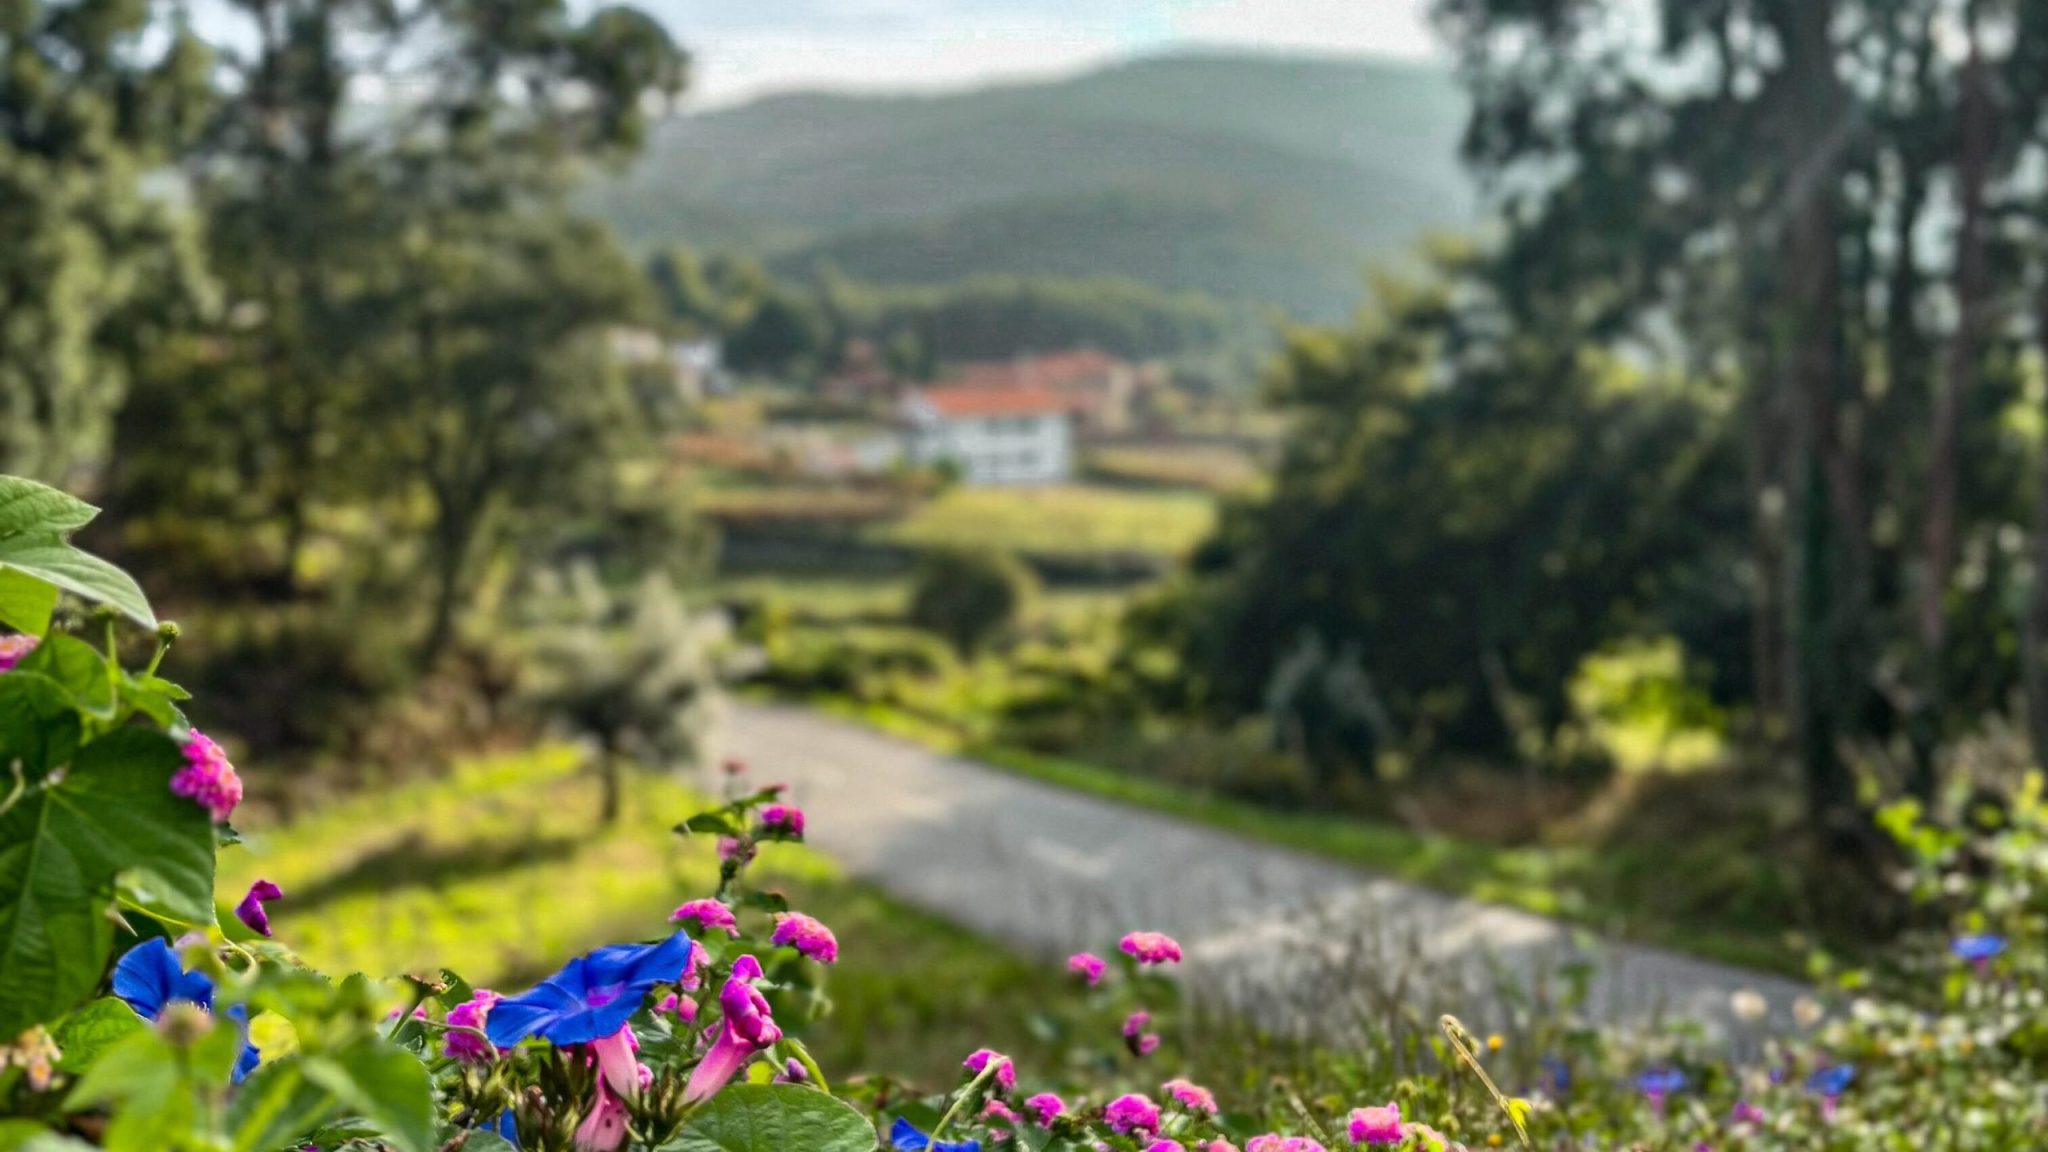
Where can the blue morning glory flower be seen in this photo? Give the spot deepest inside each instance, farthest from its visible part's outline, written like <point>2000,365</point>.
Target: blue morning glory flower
<point>905,1137</point>
<point>1831,1081</point>
<point>150,978</point>
<point>1661,1082</point>
<point>506,1127</point>
<point>1978,949</point>
<point>592,997</point>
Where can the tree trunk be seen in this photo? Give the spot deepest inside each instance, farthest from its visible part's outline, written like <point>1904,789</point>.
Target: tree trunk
<point>1767,486</point>
<point>1826,576</point>
<point>2034,639</point>
<point>1944,455</point>
<point>451,540</point>
<point>610,788</point>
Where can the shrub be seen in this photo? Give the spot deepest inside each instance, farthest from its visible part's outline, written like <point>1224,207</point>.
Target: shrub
<point>638,679</point>
<point>969,596</point>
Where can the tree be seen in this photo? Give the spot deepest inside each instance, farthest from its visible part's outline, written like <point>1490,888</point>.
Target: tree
<point>1466,509</point>
<point>638,679</point>
<point>1629,172</point>
<point>411,311</point>
<point>968,596</point>
<point>90,267</point>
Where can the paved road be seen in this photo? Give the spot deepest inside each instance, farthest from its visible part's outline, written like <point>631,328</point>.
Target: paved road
<point>1292,936</point>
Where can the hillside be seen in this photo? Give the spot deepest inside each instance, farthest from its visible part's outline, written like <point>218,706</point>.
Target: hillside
<point>1262,180</point>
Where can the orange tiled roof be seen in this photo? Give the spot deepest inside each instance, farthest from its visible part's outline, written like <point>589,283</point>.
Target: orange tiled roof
<point>973,401</point>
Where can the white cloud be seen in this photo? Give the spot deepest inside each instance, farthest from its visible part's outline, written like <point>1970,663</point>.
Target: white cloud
<point>1376,27</point>
<point>735,69</point>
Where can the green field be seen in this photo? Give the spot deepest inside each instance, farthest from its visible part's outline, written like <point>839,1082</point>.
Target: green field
<point>1059,521</point>
<point>499,872</point>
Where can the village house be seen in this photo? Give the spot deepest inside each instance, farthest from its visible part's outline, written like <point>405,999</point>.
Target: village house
<point>993,435</point>
<point>1098,387</point>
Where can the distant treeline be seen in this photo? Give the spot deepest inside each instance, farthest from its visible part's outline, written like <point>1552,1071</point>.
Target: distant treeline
<point>801,326</point>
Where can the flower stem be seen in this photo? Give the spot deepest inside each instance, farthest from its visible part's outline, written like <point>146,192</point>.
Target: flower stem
<point>972,1090</point>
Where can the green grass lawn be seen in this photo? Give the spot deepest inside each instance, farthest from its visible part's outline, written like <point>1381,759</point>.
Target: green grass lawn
<point>499,872</point>
<point>1621,894</point>
<point>1059,521</point>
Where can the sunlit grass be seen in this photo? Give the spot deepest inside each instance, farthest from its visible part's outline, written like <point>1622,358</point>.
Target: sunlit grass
<point>1066,520</point>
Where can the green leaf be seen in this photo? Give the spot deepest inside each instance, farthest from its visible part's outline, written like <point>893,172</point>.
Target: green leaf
<point>29,1136</point>
<point>51,559</point>
<point>717,823</point>
<point>61,849</point>
<point>140,1078</point>
<point>384,1084</point>
<point>277,1106</point>
<point>139,696</point>
<point>38,726</point>
<point>480,1141</point>
<point>26,602</point>
<point>773,1118</point>
<point>29,508</point>
<point>87,1033</point>
<point>77,668</point>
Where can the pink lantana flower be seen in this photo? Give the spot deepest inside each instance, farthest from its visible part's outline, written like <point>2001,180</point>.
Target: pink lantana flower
<point>708,915</point>
<point>471,1013</point>
<point>1165,1146</point>
<point>997,1110</point>
<point>1271,1142</point>
<point>1049,1108</point>
<point>1377,1125</point>
<point>1139,1041</point>
<point>1131,1114</point>
<point>1088,966</point>
<point>1217,1146</point>
<point>1151,947</point>
<point>1190,1096</point>
<point>251,911</point>
<point>1426,1139</point>
<point>808,936</point>
<point>748,1028</point>
<point>207,779</point>
<point>681,1007</point>
<point>1006,1072</point>
<point>783,821</point>
<point>14,649</point>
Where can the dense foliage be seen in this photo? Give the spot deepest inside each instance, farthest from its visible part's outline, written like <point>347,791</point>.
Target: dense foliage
<point>1470,510</point>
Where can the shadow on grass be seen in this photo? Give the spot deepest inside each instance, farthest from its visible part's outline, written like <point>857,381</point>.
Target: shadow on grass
<point>412,863</point>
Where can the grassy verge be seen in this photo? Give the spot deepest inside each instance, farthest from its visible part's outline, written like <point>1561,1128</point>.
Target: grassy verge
<point>500,872</point>
<point>1621,895</point>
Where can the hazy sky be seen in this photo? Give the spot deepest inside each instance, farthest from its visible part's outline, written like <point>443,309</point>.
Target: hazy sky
<point>745,47</point>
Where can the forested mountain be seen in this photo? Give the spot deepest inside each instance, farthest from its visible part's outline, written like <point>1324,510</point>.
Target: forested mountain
<point>1264,180</point>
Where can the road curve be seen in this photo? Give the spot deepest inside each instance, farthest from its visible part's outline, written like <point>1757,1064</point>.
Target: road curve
<point>1050,871</point>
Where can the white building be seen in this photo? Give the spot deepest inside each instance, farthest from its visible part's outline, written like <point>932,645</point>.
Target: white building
<point>993,435</point>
